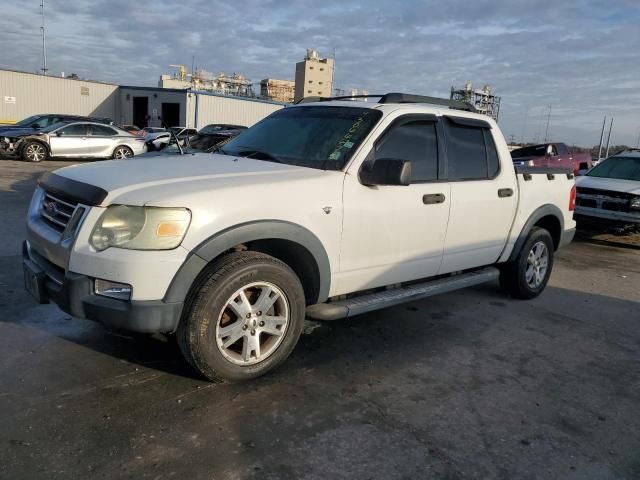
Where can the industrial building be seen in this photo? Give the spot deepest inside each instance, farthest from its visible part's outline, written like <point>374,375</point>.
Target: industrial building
<point>202,80</point>
<point>24,94</point>
<point>314,76</point>
<point>278,90</point>
<point>482,99</point>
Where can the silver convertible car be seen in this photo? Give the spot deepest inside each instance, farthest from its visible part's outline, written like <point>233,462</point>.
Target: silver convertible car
<point>71,140</point>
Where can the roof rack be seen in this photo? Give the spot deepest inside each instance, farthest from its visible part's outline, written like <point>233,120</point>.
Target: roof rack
<point>395,97</point>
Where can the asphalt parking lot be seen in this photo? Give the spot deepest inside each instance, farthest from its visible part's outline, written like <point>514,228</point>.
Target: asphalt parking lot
<point>470,384</point>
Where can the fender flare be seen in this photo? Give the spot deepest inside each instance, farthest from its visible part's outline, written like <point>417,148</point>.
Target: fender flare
<point>540,212</point>
<point>226,239</point>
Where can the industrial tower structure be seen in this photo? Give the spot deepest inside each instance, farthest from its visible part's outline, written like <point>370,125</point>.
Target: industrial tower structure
<point>482,99</point>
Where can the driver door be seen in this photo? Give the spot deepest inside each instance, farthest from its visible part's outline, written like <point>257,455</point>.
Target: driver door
<point>69,141</point>
<point>394,233</point>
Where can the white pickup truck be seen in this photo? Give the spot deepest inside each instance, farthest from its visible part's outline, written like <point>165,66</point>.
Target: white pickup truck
<point>326,209</point>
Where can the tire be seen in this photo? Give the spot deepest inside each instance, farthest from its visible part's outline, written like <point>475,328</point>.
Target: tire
<point>527,276</point>
<point>34,152</point>
<point>206,333</point>
<point>121,152</point>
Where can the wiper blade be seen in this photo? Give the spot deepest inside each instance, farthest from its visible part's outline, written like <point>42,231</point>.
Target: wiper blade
<point>259,154</point>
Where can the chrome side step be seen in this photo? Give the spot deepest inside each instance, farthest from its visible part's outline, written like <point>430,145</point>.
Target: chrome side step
<point>388,298</point>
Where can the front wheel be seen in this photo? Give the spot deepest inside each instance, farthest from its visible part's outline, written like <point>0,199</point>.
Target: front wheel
<point>243,318</point>
<point>527,276</point>
<point>122,152</point>
<point>34,152</point>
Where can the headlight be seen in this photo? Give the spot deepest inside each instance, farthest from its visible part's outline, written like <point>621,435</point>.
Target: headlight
<point>635,203</point>
<point>140,228</point>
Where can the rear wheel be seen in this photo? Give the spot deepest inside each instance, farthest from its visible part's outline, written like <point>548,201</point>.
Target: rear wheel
<point>527,276</point>
<point>243,318</point>
<point>34,152</point>
<point>122,152</point>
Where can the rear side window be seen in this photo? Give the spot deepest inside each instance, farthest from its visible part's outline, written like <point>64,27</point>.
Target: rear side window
<point>100,131</point>
<point>562,149</point>
<point>414,141</point>
<point>471,152</point>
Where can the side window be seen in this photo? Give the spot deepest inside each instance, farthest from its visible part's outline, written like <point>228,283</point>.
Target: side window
<point>102,131</point>
<point>471,152</point>
<point>562,149</point>
<point>75,130</point>
<point>41,122</point>
<point>414,141</point>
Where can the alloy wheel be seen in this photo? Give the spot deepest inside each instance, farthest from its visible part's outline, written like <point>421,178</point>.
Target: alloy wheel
<point>537,265</point>
<point>35,152</point>
<point>253,323</point>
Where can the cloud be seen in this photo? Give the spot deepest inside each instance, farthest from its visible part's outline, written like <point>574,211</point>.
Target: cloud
<point>579,57</point>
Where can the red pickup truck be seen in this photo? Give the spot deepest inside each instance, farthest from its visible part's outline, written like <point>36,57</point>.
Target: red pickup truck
<point>551,155</point>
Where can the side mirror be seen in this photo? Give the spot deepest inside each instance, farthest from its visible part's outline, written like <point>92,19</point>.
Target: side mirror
<point>386,171</point>
<point>59,133</point>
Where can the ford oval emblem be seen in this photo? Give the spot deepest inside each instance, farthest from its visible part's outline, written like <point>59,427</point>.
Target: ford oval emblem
<point>51,208</point>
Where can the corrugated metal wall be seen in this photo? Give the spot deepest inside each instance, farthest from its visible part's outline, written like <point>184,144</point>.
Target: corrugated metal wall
<point>25,94</point>
<point>218,109</point>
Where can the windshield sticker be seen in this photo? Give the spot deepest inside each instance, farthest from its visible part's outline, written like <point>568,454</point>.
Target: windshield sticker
<point>346,142</point>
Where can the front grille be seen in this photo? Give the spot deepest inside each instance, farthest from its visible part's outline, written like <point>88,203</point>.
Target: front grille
<point>603,199</point>
<point>56,211</point>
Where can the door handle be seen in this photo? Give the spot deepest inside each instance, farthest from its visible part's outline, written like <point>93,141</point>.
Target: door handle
<point>433,198</point>
<point>505,192</point>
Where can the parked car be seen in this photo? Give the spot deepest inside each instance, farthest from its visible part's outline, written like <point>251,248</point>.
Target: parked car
<point>38,122</point>
<point>608,196</point>
<point>328,209</point>
<point>147,130</point>
<point>198,143</point>
<point>78,139</point>
<point>551,155</point>
<point>217,127</point>
<point>132,129</point>
<point>159,140</point>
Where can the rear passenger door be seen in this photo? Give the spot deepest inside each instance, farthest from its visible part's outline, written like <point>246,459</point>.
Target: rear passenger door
<point>102,141</point>
<point>483,198</point>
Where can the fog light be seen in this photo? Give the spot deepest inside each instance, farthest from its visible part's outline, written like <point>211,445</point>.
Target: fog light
<point>107,288</point>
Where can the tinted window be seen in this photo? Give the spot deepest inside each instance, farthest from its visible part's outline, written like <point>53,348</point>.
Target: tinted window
<point>623,168</point>
<point>416,142</point>
<point>533,151</point>
<point>77,129</point>
<point>562,149</point>
<point>99,130</point>
<point>468,156</point>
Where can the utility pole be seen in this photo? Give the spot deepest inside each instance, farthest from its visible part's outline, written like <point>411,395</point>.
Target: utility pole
<point>44,42</point>
<point>604,122</point>
<point>546,132</point>
<point>638,142</point>
<point>606,155</point>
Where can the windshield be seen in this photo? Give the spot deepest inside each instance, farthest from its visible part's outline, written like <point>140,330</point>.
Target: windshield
<point>533,151</point>
<point>622,168</point>
<point>28,121</point>
<point>313,136</point>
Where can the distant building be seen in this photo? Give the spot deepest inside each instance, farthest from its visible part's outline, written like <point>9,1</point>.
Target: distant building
<point>202,80</point>
<point>314,76</point>
<point>277,90</point>
<point>483,99</point>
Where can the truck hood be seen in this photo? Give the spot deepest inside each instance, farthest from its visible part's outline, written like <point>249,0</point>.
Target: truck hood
<point>144,180</point>
<point>613,184</point>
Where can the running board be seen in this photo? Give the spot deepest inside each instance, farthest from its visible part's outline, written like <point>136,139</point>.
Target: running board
<point>388,298</point>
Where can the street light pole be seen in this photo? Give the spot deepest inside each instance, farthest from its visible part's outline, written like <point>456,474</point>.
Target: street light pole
<point>44,42</point>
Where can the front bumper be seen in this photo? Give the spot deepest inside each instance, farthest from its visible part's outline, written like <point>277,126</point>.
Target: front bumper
<point>74,294</point>
<point>608,215</point>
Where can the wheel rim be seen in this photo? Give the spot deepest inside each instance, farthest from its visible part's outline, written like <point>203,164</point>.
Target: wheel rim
<point>252,323</point>
<point>122,153</point>
<point>537,264</point>
<point>35,152</point>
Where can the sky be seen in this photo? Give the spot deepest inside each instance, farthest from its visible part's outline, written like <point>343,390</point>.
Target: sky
<point>582,57</point>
